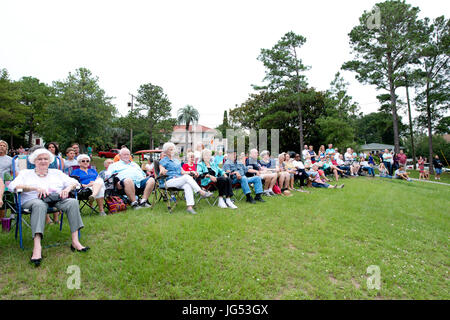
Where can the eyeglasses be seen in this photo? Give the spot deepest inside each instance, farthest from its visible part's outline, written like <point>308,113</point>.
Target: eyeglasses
<point>84,161</point>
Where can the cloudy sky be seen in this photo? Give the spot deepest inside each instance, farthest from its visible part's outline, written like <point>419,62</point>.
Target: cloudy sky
<point>202,53</point>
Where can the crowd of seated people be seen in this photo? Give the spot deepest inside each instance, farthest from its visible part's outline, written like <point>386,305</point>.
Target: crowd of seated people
<point>200,174</point>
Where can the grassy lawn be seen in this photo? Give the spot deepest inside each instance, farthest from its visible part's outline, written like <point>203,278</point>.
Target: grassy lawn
<point>308,246</point>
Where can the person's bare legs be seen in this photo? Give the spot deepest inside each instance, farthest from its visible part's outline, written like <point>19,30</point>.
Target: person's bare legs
<point>37,248</point>
<point>75,242</point>
<point>148,189</point>
<point>130,191</point>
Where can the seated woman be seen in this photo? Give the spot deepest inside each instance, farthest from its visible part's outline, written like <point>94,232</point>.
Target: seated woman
<point>216,175</point>
<point>148,167</point>
<point>384,172</point>
<point>284,176</point>
<point>290,169</point>
<point>38,183</point>
<point>89,179</point>
<point>53,148</point>
<point>178,178</point>
<point>106,164</point>
<point>333,168</point>
<point>317,181</point>
<point>268,170</point>
<point>191,165</point>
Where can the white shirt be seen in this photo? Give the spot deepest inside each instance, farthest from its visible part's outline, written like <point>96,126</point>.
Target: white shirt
<point>54,181</point>
<point>337,156</point>
<point>348,157</point>
<point>340,162</point>
<point>305,153</point>
<point>298,164</point>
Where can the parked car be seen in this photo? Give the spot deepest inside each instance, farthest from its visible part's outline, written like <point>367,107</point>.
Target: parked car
<point>108,154</point>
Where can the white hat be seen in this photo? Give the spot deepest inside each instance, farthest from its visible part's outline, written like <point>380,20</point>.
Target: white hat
<point>38,152</point>
<point>83,156</point>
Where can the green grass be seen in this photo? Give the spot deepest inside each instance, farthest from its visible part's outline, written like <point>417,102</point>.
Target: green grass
<point>308,246</point>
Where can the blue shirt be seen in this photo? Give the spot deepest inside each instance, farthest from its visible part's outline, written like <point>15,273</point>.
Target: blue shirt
<point>173,167</point>
<point>329,151</point>
<point>218,159</point>
<point>126,170</point>
<point>85,178</point>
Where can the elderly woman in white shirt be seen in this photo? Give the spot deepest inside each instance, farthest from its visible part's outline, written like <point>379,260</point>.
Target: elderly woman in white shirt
<point>40,182</point>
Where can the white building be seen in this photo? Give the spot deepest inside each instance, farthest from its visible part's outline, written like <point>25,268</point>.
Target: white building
<point>211,138</point>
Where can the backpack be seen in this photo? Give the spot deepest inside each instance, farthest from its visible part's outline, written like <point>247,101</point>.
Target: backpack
<point>115,204</point>
<point>276,189</point>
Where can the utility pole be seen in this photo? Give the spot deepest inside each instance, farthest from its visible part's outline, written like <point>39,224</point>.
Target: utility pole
<point>131,129</point>
<point>410,123</point>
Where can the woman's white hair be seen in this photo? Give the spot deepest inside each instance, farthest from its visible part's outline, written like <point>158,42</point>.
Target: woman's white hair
<point>264,152</point>
<point>38,152</point>
<point>83,156</point>
<point>205,151</point>
<point>167,145</point>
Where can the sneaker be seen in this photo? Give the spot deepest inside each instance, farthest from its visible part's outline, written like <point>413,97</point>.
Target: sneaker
<point>341,186</point>
<point>102,214</point>
<point>271,192</point>
<point>259,198</point>
<point>144,204</point>
<point>222,204</point>
<point>250,199</point>
<point>208,194</point>
<point>267,193</point>
<point>135,205</point>
<point>230,203</point>
<point>191,211</point>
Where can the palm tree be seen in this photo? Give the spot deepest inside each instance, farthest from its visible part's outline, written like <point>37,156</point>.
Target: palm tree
<point>187,115</point>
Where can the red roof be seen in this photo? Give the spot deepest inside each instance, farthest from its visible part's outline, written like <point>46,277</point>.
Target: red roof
<point>198,128</point>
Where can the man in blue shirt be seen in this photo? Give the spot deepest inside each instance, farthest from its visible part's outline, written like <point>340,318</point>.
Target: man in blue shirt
<point>131,177</point>
<point>237,171</point>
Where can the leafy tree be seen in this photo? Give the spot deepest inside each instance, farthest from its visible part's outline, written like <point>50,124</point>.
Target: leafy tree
<point>12,114</point>
<point>382,52</point>
<point>284,70</point>
<point>225,124</point>
<point>36,96</point>
<point>187,116</point>
<point>433,94</point>
<point>156,107</point>
<point>248,114</point>
<point>376,127</point>
<point>443,126</point>
<point>339,103</point>
<point>337,131</point>
<point>82,112</point>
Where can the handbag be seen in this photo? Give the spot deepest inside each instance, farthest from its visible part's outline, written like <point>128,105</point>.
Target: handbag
<point>115,204</point>
<point>52,199</point>
<point>276,189</point>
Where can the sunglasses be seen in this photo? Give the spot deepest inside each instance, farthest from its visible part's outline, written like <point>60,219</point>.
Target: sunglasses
<point>85,161</point>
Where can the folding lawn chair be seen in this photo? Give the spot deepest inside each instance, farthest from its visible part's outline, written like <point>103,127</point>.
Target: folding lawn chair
<point>83,193</point>
<point>168,195</point>
<point>20,212</point>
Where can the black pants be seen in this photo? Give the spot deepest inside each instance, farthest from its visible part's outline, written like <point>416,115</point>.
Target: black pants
<point>225,187</point>
<point>302,176</point>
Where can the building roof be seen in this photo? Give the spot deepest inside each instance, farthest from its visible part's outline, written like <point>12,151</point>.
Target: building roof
<point>378,146</point>
<point>197,128</point>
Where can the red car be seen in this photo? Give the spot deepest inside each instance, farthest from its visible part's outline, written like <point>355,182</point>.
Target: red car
<point>108,154</point>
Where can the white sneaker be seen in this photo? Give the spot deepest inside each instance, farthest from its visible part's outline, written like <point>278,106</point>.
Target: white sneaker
<point>271,192</point>
<point>230,203</point>
<point>222,203</point>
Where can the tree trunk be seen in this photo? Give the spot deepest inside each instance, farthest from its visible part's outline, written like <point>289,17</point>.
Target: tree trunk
<point>393,105</point>
<point>430,135</point>
<point>410,125</point>
<point>151,136</point>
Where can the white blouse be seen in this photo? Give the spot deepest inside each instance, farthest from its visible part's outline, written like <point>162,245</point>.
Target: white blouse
<point>54,181</point>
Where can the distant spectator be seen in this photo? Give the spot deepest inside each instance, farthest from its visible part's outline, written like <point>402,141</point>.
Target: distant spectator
<point>89,151</point>
<point>383,171</point>
<point>437,164</point>
<point>313,154</point>
<point>401,173</point>
<point>70,160</point>
<point>117,157</point>
<point>76,148</point>
<point>305,152</point>
<point>106,164</point>
<point>423,174</point>
<point>317,181</point>
<point>401,158</point>
<point>388,161</point>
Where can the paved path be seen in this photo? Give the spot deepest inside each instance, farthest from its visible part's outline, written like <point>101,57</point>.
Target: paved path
<point>430,181</point>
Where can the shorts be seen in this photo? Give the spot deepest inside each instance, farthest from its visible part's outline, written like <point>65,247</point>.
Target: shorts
<point>438,171</point>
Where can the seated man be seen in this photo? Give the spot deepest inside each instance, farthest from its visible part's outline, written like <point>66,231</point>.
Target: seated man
<point>300,174</point>
<point>401,173</point>
<point>237,171</point>
<point>131,177</point>
<point>70,160</point>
